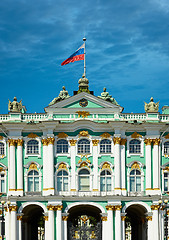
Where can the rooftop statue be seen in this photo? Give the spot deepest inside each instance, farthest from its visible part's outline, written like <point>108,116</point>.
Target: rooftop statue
<point>83,84</point>
<point>62,95</point>
<point>105,96</point>
<point>151,106</point>
<point>15,106</point>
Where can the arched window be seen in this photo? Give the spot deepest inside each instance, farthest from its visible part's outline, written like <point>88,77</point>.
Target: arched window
<point>83,146</point>
<point>2,182</point>
<point>135,181</point>
<point>166,148</point>
<point>33,147</point>
<point>84,180</point>
<point>166,181</point>
<point>135,146</point>
<point>33,181</point>
<point>105,146</point>
<point>62,181</point>
<point>62,146</point>
<point>2,148</point>
<point>105,181</point>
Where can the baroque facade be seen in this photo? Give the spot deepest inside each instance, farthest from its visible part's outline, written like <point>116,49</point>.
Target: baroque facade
<point>84,170</point>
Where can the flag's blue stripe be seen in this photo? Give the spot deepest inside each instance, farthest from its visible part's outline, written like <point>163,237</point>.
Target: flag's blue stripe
<point>78,52</point>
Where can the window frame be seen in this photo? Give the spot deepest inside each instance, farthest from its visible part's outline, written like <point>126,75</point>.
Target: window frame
<point>84,153</point>
<point>62,176</point>
<point>106,176</point>
<point>32,154</point>
<point>141,139</point>
<point>33,176</point>
<point>3,141</point>
<point>62,153</point>
<point>164,140</point>
<point>102,153</point>
<point>84,175</point>
<point>135,176</point>
<point>4,178</point>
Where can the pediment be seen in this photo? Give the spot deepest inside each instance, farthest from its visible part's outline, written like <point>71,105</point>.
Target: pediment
<point>75,103</point>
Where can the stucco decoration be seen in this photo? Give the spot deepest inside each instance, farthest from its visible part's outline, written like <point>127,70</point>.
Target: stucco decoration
<point>136,135</point>
<point>151,106</point>
<point>106,96</point>
<point>62,95</point>
<point>15,106</point>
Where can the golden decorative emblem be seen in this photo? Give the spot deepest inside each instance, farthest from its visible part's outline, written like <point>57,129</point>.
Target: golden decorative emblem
<point>106,165</point>
<point>32,135</point>
<point>104,218</point>
<point>58,207</point>
<point>12,142</point>
<point>20,142</point>
<point>156,141</point>
<point>135,166</point>
<point>167,136</point>
<point>62,135</point>
<point>83,114</point>
<point>123,141</point>
<point>1,137</point>
<point>62,166</point>
<point>72,142</point>
<point>45,142</point>
<point>148,141</point>
<point>83,133</point>
<point>1,169</point>
<point>123,218</point>
<point>166,168</point>
<point>2,156</point>
<point>136,135</point>
<point>83,164</point>
<point>109,207</point>
<point>13,208</point>
<point>149,218</point>
<point>117,140</point>
<point>84,219</point>
<point>50,207</point>
<point>64,218</point>
<point>95,142</point>
<point>105,135</point>
<point>51,141</point>
<point>33,166</point>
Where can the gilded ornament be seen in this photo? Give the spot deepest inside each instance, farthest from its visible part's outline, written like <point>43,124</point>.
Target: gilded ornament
<point>148,141</point>
<point>106,165</point>
<point>65,218</point>
<point>62,135</point>
<point>83,114</point>
<point>135,166</point>
<point>46,218</point>
<point>62,166</point>
<point>83,133</point>
<point>104,218</point>
<point>95,190</point>
<point>32,135</point>
<point>45,142</point>
<point>1,137</point>
<point>13,208</point>
<point>84,219</point>
<point>156,141</point>
<point>58,207</point>
<point>105,135</point>
<point>20,142</point>
<point>95,142</point>
<point>51,141</point>
<point>12,142</point>
<point>93,235</point>
<point>123,218</point>
<point>116,140</point>
<point>2,156</point>
<point>76,236</point>
<point>50,207</point>
<point>136,135</point>
<point>1,169</point>
<point>117,207</point>
<point>149,218</point>
<point>166,169</point>
<point>167,136</point>
<point>33,166</point>
<point>167,212</point>
<point>155,207</point>
<point>109,207</point>
<point>19,218</point>
<point>123,141</point>
<point>72,142</point>
<point>83,164</point>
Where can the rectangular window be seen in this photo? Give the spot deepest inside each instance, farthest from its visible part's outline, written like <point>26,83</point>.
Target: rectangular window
<point>132,184</point>
<point>30,184</point>
<point>84,183</point>
<point>138,184</point>
<point>108,184</point>
<point>36,184</point>
<point>65,184</point>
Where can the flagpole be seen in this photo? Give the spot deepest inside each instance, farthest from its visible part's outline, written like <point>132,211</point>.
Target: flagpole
<point>84,39</point>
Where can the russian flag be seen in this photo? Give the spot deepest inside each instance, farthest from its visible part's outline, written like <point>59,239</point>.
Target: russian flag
<point>77,56</point>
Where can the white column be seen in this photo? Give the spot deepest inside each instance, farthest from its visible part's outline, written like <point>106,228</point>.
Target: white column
<point>51,222</point>
<point>64,219</point>
<point>118,222</point>
<point>46,218</point>
<point>73,164</point>
<point>50,166</point>
<point>19,230</point>
<point>12,169</point>
<point>19,167</point>
<point>95,164</point>
<point>45,166</point>
<point>155,223</point>
<point>109,233</point>
<point>150,229</point>
<point>7,225</point>
<point>123,167</point>
<point>105,229</point>
<point>148,142</point>
<point>13,222</point>
<point>156,176</point>
<point>123,230</point>
<point>117,165</point>
<point>59,222</point>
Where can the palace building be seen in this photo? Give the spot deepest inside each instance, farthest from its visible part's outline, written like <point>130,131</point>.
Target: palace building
<point>84,170</point>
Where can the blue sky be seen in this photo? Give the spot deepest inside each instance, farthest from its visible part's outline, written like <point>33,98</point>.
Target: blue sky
<point>127,50</point>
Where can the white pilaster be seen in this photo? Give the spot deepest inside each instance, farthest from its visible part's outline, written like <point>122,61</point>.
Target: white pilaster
<point>64,221</point>
<point>19,227</point>
<point>156,165</point>
<point>117,164</point>
<point>50,166</point>
<point>45,167</point>
<point>12,169</point>
<point>13,223</point>
<point>19,167</point>
<point>123,167</point>
<point>59,222</point>
<point>155,222</point>
<point>150,228</point>
<point>148,142</point>
<point>7,225</point>
<point>105,227</point>
<point>50,224</point>
<point>118,232</point>
<point>46,218</point>
<point>73,164</point>
<point>95,164</point>
<point>109,234</point>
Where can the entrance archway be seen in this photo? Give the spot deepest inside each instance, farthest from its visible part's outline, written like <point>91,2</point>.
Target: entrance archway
<point>33,223</point>
<point>136,223</point>
<point>84,223</point>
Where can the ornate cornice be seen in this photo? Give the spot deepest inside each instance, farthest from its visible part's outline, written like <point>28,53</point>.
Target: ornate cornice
<point>117,140</point>
<point>51,141</point>
<point>32,135</point>
<point>95,142</point>
<point>105,135</point>
<point>45,142</point>
<point>72,142</point>
<point>20,142</point>
<point>148,141</point>
<point>136,135</point>
<point>62,135</point>
<point>83,114</point>
<point>156,141</point>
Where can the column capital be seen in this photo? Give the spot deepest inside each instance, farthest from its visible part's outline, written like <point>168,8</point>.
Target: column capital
<point>50,207</point>
<point>58,207</point>
<point>148,141</point>
<point>117,140</point>
<point>155,207</point>
<point>12,142</point>
<point>45,142</point>
<point>95,142</point>
<point>149,218</point>
<point>19,218</point>
<point>45,218</point>
<point>123,141</point>
<point>51,141</point>
<point>109,207</point>
<point>156,141</point>
<point>20,142</point>
<point>117,207</point>
<point>104,218</point>
<point>13,208</point>
<point>72,142</point>
<point>65,218</point>
<point>123,218</point>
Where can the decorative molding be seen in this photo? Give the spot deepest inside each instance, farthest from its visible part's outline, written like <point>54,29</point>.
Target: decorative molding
<point>50,207</point>
<point>109,207</point>
<point>20,142</point>
<point>2,169</point>
<point>33,166</point>
<point>149,218</point>
<point>135,166</point>
<point>72,142</point>
<point>19,218</point>
<point>83,114</point>
<point>148,141</point>
<point>83,164</point>
<point>116,140</point>
<point>13,208</point>
<point>106,165</point>
<point>136,135</point>
<point>45,142</point>
<point>84,219</point>
<point>95,142</point>
<point>32,135</point>
<point>166,169</point>
<point>58,207</point>
<point>156,141</point>
<point>1,137</point>
<point>62,135</point>
<point>105,135</point>
<point>51,141</point>
<point>84,133</point>
<point>62,166</point>
<point>104,218</point>
<point>123,141</point>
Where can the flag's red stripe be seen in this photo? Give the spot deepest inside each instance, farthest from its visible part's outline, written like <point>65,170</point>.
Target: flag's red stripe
<point>73,59</point>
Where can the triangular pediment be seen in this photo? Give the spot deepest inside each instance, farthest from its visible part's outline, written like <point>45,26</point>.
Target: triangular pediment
<point>84,101</point>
